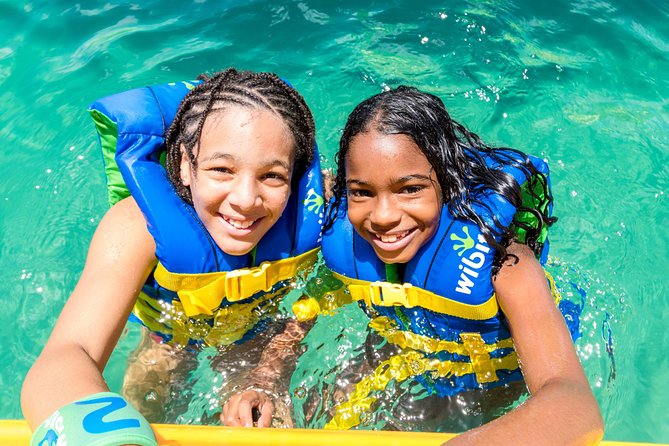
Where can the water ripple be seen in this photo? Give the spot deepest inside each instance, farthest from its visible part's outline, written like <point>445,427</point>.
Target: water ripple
<point>583,83</point>
<point>179,50</point>
<point>312,15</point>
<point>100,42</point>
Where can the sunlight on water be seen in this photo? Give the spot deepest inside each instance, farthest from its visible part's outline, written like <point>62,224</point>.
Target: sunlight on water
<point>341,351</point>
<point>580,83</point>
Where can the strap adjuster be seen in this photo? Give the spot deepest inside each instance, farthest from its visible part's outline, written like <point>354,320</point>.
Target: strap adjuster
<point>203,293</point>
<point>387,294</point>
<point>243,283</point>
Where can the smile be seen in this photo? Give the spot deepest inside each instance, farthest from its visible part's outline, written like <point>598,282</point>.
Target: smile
<point>240,224</point>
<point>392,238</point>
<point>392,242</point>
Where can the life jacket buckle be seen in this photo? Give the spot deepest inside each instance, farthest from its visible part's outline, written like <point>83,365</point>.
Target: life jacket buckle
<point>243,283</point>
<point>391,294</point>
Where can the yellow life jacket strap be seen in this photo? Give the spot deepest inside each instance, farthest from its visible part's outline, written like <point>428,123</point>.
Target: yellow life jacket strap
<point>387,294</point>
<point>203,293</point>
<point>227,325</point>
<point>387,328</point>
<point>557,297</point>
<point>400,368</point>
<point>471,345</point>
<point>145,310</point>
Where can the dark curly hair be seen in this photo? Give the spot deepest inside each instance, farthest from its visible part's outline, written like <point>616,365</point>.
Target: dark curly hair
<point>458,157</point>
<point>248,89</point>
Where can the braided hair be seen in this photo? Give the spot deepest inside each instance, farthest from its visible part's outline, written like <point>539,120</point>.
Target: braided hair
<point>458,157</point>
<point>243,88</point>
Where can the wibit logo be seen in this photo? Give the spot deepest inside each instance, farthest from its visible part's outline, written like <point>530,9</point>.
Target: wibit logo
<point>313,202</point>
<point>473,262</point>
<point>467,242</point>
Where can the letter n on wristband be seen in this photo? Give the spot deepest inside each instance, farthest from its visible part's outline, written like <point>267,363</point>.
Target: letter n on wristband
<point>103,419</point>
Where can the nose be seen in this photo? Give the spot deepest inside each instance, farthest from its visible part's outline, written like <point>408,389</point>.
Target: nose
<point>386,213</point>
<point>245,194</point>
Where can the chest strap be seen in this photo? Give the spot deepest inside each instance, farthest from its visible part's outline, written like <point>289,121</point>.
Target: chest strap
<point>203,293</point>
<point>471,344</point>
<point>385,294</point>
<point>401,367</point>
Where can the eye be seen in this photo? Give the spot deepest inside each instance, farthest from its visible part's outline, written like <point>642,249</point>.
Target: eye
<point>275,177</point>
<point>221,169</point>
<point>358,193</point>
<point>412,189</point>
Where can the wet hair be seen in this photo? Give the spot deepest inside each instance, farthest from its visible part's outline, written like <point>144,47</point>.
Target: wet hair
<point>231,87</point>
<point>458,158</point>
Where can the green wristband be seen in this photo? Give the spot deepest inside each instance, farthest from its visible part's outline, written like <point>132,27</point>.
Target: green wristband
<point>103,419</point>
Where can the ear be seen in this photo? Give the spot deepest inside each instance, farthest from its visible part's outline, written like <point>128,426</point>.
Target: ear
<point>185,168</point>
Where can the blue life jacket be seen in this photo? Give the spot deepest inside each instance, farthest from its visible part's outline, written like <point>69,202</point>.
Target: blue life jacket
<point>446,307</point>
<point>195,281</point>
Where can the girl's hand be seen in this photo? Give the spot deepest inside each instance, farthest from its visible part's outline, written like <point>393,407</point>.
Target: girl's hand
<point>240,409</point>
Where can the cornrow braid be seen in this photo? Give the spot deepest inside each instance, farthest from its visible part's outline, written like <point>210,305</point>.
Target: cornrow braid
<point>242,88</point>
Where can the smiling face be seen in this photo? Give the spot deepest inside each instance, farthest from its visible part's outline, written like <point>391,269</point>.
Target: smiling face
<point>241,184</point>
<point>394,198</point>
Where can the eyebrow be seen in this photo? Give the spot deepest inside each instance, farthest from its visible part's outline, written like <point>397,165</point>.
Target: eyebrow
<point>277,163</point>
<point>403,179</point>
<point>356,182</point>
<point>219,155</point>
<point>228,156</point>
<point>415,176</point>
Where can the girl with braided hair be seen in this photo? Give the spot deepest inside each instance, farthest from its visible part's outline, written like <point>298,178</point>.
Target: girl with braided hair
<point>200,254</point>
<point>440,239</point>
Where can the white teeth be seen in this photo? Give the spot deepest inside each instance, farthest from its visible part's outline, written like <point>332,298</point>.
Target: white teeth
<point>392,238</point>
<point>238,224</point>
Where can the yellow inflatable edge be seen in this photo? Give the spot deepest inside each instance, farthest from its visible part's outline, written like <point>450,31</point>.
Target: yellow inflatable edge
<point>17,433</point>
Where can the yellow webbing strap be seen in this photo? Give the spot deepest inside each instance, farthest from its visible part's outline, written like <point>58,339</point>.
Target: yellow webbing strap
<point>145,310</point>
<point>387,328</point>
<point>472,345</point>
<point>387,294</point>
<point>400,368</point>
<point>557,297</point>
<point>203,293</point>
<point>227,325</point>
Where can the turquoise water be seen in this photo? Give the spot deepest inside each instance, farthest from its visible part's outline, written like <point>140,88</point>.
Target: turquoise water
<point>582,83</point>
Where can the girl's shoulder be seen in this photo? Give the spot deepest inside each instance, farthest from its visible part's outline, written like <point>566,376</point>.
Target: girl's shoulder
<point>123,230</point>
<point>127,214</point>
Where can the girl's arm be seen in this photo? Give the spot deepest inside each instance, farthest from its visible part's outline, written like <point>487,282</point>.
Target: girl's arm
<point>120,258</point>
<point>280,355</point>
<point>561,409</point>
<point>270,377</point>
